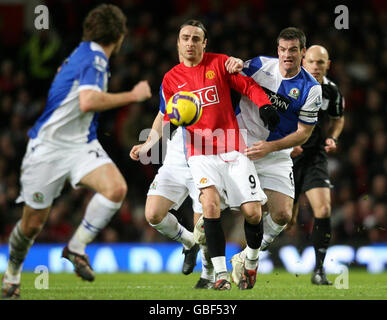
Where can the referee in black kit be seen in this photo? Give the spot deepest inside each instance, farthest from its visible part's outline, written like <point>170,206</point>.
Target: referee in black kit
<point>310,161</point>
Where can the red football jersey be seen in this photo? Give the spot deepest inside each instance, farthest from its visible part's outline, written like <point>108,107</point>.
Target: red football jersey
<point>217,130</point>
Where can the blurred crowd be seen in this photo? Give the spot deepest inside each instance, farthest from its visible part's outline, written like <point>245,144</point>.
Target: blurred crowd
<point>245,29</point>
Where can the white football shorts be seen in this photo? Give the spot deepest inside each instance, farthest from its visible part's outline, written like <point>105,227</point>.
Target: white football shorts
<point>46,168</point>
<point>232,173</point>
<point>275,172</point>
<point>175,183</point>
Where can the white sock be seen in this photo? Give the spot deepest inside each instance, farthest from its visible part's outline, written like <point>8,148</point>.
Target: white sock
<point>271,229</point>
<point>98,214</point>
<point>171,228</point>
<point>251,254</point>
<point>251,257</point>
<point>207,267</point>
<point>219,264</point>
<point>19,246</point>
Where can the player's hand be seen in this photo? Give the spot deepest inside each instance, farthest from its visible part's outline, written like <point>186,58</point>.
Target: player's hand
<point>297,150</point>
<point>258,150</point>
<point>330,145</point>
<point>269,116</point>
<point>142,91</point>
<point>234,65</point>
<point>136,150</point>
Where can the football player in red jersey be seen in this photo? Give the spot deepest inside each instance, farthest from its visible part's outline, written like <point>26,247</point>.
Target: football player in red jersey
<point>214,144</point>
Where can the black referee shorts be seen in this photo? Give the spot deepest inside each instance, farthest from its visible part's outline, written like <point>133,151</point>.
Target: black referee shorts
<point>310,171</point>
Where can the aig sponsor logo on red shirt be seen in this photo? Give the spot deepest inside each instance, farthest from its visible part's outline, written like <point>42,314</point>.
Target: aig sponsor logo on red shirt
<point>207,96</point>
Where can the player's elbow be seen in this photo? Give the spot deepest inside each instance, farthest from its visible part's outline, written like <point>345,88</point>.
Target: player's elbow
<point>85,106</point>
<point>304,139</point>
<point>304,134</point>
<point>87,100</point>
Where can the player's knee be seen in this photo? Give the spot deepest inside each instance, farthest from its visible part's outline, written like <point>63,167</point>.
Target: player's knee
<point>253,214</point>
<point>32,229</point>
<point>211,209</point>
<point>153,219</point>
<point>117,192</point>
<point>210,201</point>
<point>324,211</point>
<point>153,215</point>
<point>282,217</point>
<point>33,221</point>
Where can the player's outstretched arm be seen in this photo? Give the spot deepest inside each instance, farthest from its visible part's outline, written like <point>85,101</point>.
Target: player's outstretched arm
<point>261,148</point>
<point>153,137</point>
<point>92,100</point>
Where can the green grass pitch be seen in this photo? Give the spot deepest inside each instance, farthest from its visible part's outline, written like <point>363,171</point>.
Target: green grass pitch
<point>279,285</point>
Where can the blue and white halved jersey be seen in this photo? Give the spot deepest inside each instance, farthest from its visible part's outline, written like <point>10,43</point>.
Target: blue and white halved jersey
<point>62,122</point>
<point>296,99</point>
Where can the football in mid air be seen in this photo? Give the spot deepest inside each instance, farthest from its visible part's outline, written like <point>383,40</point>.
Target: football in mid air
<point>184,109</point>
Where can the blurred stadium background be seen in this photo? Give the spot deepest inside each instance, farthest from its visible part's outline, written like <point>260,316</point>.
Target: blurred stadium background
<point>29,59</point>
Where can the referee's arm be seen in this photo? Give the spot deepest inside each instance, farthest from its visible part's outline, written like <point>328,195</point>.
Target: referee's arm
<point>336,120</point>
<point>336,127</point>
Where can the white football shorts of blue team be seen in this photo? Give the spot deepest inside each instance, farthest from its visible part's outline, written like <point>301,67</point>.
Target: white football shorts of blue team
<point>46,168</point>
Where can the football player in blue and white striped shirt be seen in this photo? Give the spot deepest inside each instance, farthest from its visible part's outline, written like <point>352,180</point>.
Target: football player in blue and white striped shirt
<point>63,146</point>
<point>297,96</point>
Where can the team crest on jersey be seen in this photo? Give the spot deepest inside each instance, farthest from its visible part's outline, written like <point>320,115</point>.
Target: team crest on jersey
<point>153,185</point>
<point>210,74</point>
<point>38,197</point>
<point>203,180</point>
<point>294,93</point>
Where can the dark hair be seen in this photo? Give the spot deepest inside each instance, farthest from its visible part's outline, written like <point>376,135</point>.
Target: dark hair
<point>104,24</point>
<point>292,33</point>
<point>195,23</point>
